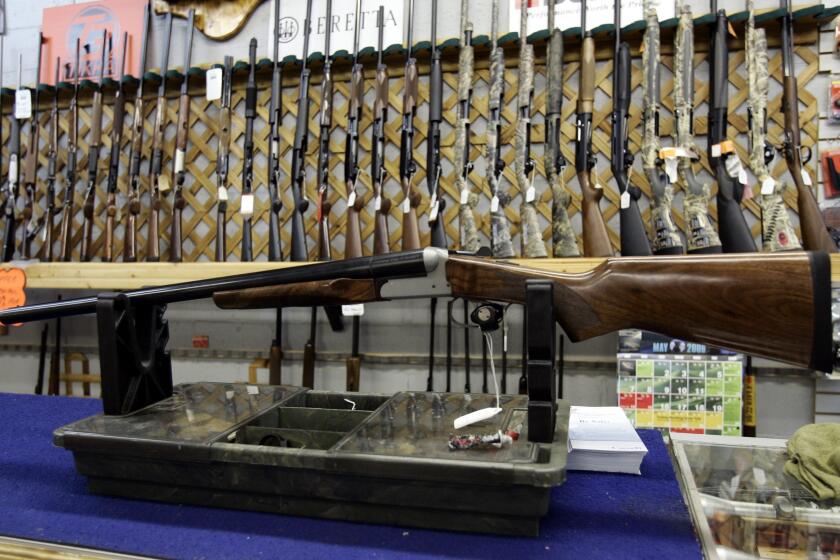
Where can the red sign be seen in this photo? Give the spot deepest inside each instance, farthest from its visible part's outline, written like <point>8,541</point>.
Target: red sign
<point>12,283</point>
<point>88,22</point>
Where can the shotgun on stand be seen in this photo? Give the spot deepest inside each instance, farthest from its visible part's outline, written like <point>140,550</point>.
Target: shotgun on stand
<point>182,136</point>
<point>411,199</point>
<point>469,200</point>
<point>437,203</point>
<point>275,123</point>
<point>67,210</point>
<point>13,185</point>
<point>223,162</point>
<point>299,252</point>
<point>381,204</point>
<point>246,206</point>
<point>114,163</point>
<point>52,168</point>
<point>31,225</point>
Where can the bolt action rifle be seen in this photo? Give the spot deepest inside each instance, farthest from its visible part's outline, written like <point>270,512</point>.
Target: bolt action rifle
<point>777,233</point>
<point>52,167</point>
<point>735,235</point>
<point>815,236</point>
<point>114,163</point>
<point>596,240</point>
<point>411,199</point>
<point>701,236</point>
<point>469,199</point>
<point>137,125</point>
<point>381,204</point>
<point>299,251</point>
<point>13,186</point>
<point>159,181</point>
<point>93,156</point>
<point>634,239</point>
<point>67,211</point>
<point>246,207</point>
<point>182,137</point>
<point>30,167</point>
<point>666,239</point>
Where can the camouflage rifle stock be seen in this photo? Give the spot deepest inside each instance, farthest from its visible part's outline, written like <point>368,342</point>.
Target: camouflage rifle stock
<point>275,122</point>
<point>93,156</point>
<point>666,240</point>
<point>634,238</point>
<point>735,235</point>
<point>52,168</point>
<point>246,205</point>
<point>381,204</point>
<point>532,242</point>
<point>156,163</point>
<point>299,251</point>
<point>564,243</point>
<point>815,236</point>
<point>114,163</point>
<point>137,126</point>
<point>223,162</point>
<point>13,185</point>
<point>701,236</point>
<point>437,203</point>
<point>411,199</point>
<point>777,233</point>
<point>67,211</point>
<point>182,137</point>
<point>469,199</point>
<point>31,225</point>
<point>501,245</point>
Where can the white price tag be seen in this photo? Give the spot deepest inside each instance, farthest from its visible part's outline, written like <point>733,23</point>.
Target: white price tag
<point>179,160</point>
<point>433,209</point>
<point>351,200</point>
<point>275,148</point>
<point>246,206</point>
<point>406,205</point>
<point>671,169</point>
<point>252,389</point>
<point>13,170</point>
<point>353,310</point>
<point>733,167</point>
<point>530,194</point>
<point>221,193</point>
<point>806,177</point>
<point>625,200</point>
<point>768,185</point>
<point>229,394</point>
<point>465,196</point>
<point>742,176</point>
<point>377,203</point>
<point>715,150</point>
<point>164,183</point>
<point>23,104</point>
<point>494,204</point>
<point>214,84</point>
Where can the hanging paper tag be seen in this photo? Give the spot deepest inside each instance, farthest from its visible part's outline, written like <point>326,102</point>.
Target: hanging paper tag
<point>179,160</point>
<point>377,203</point>
<point>351,199</point>
<point>625,200</point>
<point>229,394</point>
<point>353,310</point>
<point>275,148</point>
<point>252,389</point>
<point>742,176</point>
<point>246,206</point>
<point>715,150</point>
<point>530,194</point>
<point>221,193</point>
<point>23,104</point>
<point>733,167</point>
<point>164,183</point>
<point>671,169</point>
<point>465,196</point>
<point>214,84</point>
<point>406,205</point>
<point>433,209</point>
<point>13,170</point>
<point>768,185</point>
<point>806,177</point>
<point>494,204</point>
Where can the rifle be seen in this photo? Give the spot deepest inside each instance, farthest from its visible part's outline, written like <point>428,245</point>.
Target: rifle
<point>299,251</point>
<point>410,225</point>
<point>815,235</point>
<point>275,118</point>
<point>181,139</point>
<point>114,164</point>
<point>532,242</point>
<point>223,162</point>
<point>437,203</point>
<point>30,167</point>
<point>67,211</point>
<point>501,245</point>
<point>469,199</point>
<point>159,182</point>
<point>777,233</point>
<point>133,203</point>
<point>246,207</point>
<point>701,236</point>
<point>353,233</point>
<point>563,239</point>
<point>666,240</point>
<point>596,240</point>
<point>381,205</point>
<point>93,156</point>
<point>787,316</point>
<point>634,239</point>
<point>735,235</point>
<point>52,167</point>
<point>13,186</point>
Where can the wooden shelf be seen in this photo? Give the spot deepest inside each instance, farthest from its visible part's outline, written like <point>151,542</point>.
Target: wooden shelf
<point>120,276</point>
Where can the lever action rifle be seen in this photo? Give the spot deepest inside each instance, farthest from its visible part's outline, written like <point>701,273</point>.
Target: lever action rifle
<point>634,239</point>
<point>181,139</point>
<point>735,235</point>
<point>501,245</point>
<point>137,125</point>
<point>299,251</point>
<point>246,207</point>
<point>410,225</point>
<point>777,233</point>
<point>469,199</point>
<point>666,240</point>
<point>30,167</point>
<point>596,240</point>
<point>67,211</point>
<point>52,167</point>
<point>701,236</point>
<point>353,233</point>
<point>13,185</point>
<point>564,243</point>
<point>787,316</point>
<point>114,163</point>
<point>532,242</point>
<point>815,236</point>
<point>381,204</point>
<point>275,118</point>
<point>437,203</point>
<point>223,162</point>
<point>159,181</point>
<point>93,156</point>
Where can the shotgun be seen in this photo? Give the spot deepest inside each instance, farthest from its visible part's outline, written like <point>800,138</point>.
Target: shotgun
<point>246,206</point>
<point>437,203</point>
<point>114,163</point>
<point>411,199</point>
<point>299,252</point>
<point>31,225</point>
<point>469,199</point>
<point>275,123</point>
<point>67,211</point>
<point>93,156</point>
<point>223,162</point>
<point>182,136</point>
<point>52,168</point>
<point>13,185</point>
<point>381,204</point>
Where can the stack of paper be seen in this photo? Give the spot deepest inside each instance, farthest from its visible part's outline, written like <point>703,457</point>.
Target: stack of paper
<point>601,438</point>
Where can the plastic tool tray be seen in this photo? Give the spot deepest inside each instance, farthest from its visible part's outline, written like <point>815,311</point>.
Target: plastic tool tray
<point>352,456</point>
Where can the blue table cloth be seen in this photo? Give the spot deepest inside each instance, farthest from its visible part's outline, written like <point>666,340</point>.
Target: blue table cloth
<point>42,497</point>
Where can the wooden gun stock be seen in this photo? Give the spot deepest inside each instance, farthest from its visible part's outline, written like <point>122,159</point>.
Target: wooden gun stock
<point>110,218</point>
<point>596,240</point>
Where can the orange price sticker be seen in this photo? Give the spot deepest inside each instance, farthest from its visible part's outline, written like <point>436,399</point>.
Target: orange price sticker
<point>12,283</point>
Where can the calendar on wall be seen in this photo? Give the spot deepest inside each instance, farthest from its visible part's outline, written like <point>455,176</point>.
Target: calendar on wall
<point>680,386</point>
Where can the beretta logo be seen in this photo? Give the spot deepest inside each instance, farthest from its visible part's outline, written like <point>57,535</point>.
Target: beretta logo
<point>88,26</point>
<point>288,29</point>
